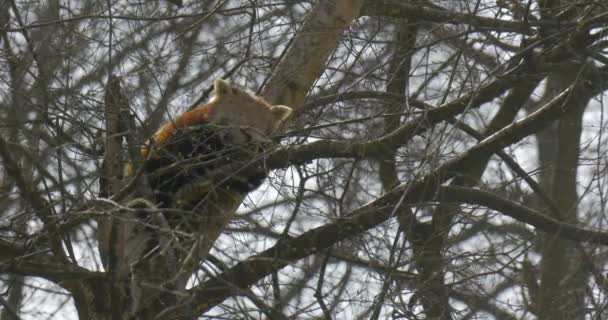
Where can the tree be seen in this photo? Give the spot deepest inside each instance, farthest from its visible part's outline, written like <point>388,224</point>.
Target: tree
<point>445,160</point>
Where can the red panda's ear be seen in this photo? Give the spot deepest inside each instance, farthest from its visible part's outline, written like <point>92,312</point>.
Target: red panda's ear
<point>280,113</point>
<point>221,87</point>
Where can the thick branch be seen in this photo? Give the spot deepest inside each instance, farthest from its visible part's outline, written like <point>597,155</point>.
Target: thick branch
<point>312,45</point>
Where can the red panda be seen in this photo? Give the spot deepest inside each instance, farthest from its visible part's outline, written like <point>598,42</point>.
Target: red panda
<point>185,165</point>
<point>230,106</point>
<point>183,154</point>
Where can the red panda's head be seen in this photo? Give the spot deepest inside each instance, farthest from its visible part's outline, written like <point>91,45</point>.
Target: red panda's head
<point>232,106</point>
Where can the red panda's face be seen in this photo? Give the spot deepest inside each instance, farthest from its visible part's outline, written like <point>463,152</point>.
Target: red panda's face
<point>235,107</point>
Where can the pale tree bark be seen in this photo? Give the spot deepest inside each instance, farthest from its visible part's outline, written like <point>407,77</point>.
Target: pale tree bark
<point>304,60</point>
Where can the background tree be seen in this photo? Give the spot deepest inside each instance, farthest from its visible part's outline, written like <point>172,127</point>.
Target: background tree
<point>446,159</point>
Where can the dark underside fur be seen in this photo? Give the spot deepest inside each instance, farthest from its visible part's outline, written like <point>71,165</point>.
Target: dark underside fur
<point>203,155</point>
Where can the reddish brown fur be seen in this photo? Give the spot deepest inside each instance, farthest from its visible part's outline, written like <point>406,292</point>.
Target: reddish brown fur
<point>197,116</point>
